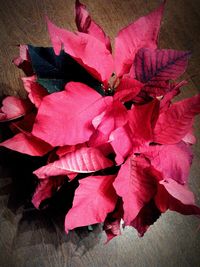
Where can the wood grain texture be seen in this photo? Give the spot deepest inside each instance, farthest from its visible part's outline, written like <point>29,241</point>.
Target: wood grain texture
<point>29,238</point>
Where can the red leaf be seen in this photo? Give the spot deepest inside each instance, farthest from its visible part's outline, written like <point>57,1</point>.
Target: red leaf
<point>146,217</point>
<point>127,89</point>
<point>71,113</point>
<point>189,138</point>
<point>178,191</point>
<point>112,228</point>
<point>63,150</point>
<point>171,195</point>
<point>121,141</point>
<point>156,67</point>
<point>141,33</point>
<point>83,160</point>
<point>82,47</point>
<point>142,120</point>
<point>115,116</point>
<point>100,141</point>
<point>173,124</point>
<point>135,185</point>
<point>24,125</point>
<point>173,161</point>
<point>2,116</point>
<point>51,170</point>
<point>112,223</point>
<point>13,108</point>
<point>35,91</point>
<point>23,61</point>
<point>94,199</point>
<point>86,24</point>
<point>165,102</point>
<point>46,189</point>
<point>27,144</point>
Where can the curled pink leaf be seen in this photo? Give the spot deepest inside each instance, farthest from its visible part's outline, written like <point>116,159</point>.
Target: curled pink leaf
<point>86,24</point>
<point>14,107</point>
<point>23,61</point>
<point>35,91</point>
<point>27,144</point>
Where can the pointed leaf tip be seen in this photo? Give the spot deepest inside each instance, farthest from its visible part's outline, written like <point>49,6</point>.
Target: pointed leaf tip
<point>143,32</point>
<point>82,47</point>
<point>94,199</point>
<point>135,184</point>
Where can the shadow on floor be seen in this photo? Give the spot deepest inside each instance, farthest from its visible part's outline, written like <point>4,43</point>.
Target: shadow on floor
<point>17,185</point>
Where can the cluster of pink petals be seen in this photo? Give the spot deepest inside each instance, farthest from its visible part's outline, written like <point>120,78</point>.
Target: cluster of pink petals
<point>80,129</point>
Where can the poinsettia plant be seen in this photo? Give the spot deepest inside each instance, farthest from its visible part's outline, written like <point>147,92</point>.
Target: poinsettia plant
<point>109,117</point>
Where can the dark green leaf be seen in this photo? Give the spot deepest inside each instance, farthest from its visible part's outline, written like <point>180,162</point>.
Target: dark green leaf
<point>54,72</point>
<point>52,85</point>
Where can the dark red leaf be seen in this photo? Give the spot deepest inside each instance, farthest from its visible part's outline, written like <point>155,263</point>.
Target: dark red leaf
<point>156,67</point>
<point>46,189</point>
<point>146,217</point>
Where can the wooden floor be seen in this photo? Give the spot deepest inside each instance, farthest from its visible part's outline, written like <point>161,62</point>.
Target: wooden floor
<point>29,238</point>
